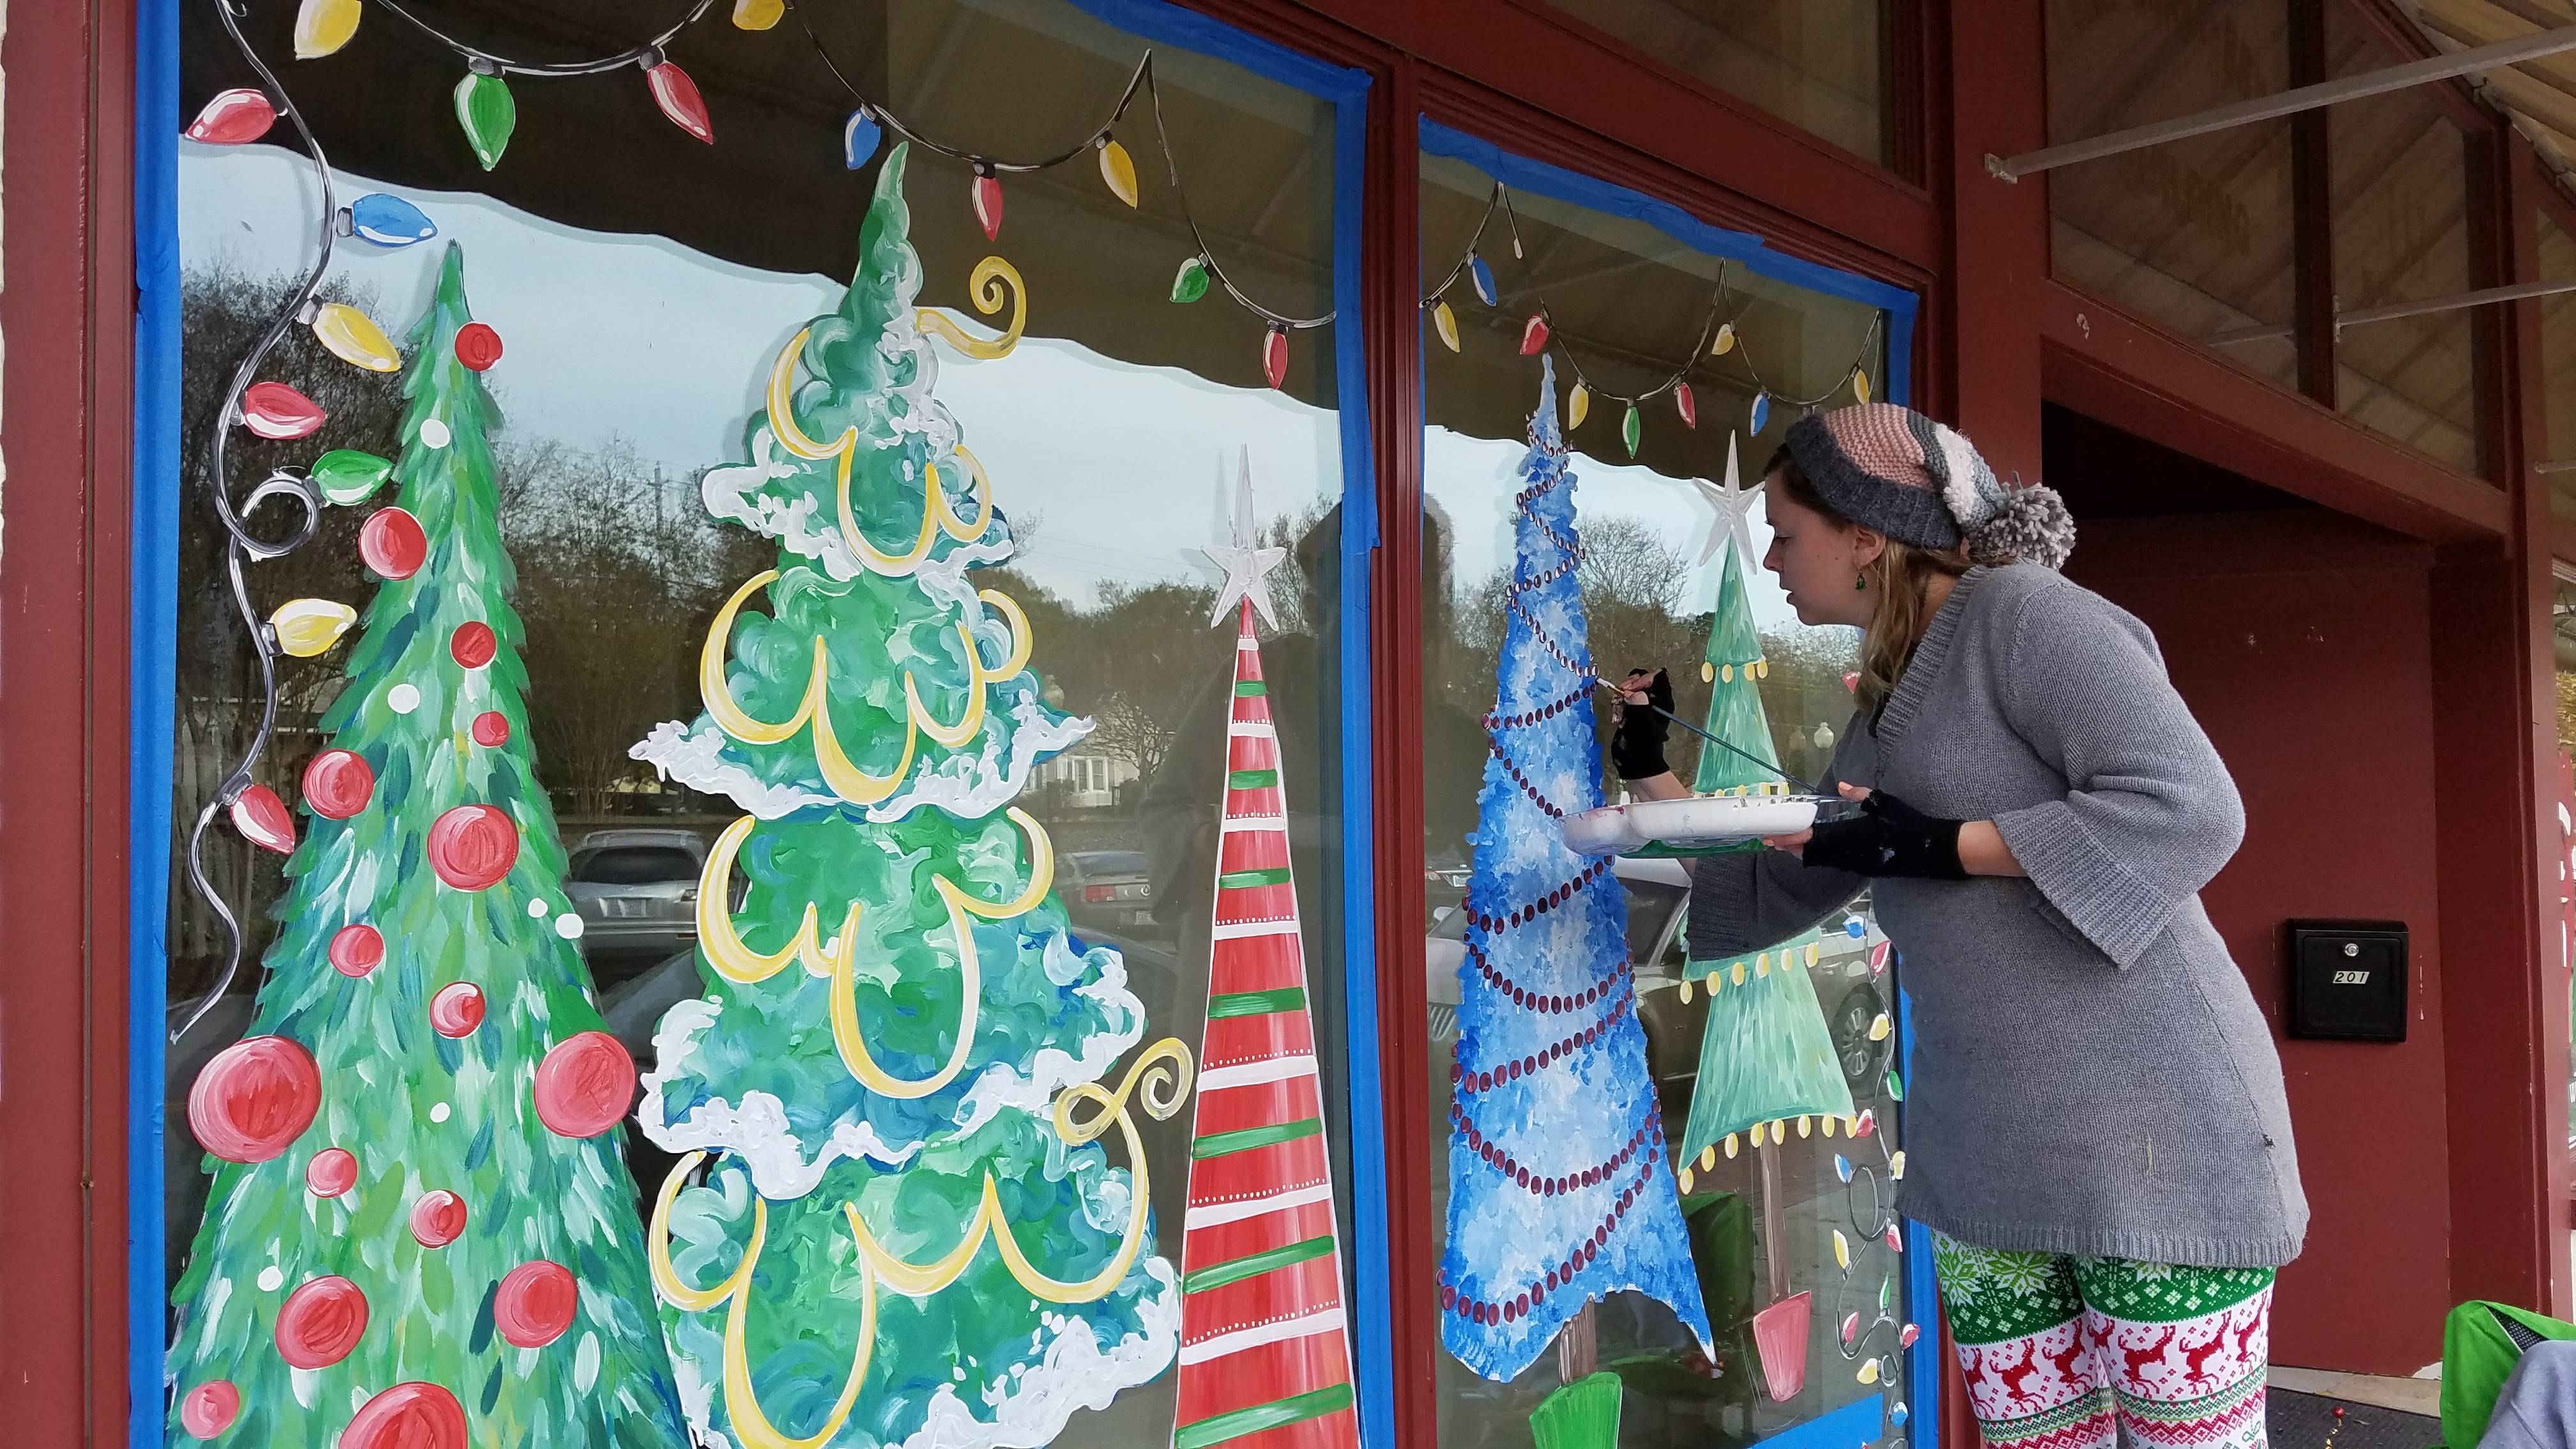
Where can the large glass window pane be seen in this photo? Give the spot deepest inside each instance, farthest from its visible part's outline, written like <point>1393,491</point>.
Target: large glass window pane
<point>2558,362</point>
<point>2194,234</point>
<point>2400,221</point>
<point>1822,67</point>
<point>1627,307</point>
<point>718,542</point>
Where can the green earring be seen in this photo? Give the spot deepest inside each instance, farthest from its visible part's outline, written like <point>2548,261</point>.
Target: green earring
<point>1859,582</point>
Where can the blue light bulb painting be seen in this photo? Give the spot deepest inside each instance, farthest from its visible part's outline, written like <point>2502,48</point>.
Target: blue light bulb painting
<point>389,221</point>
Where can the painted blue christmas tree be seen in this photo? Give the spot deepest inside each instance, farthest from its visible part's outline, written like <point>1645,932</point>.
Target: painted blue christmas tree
<point>1559,1194</point>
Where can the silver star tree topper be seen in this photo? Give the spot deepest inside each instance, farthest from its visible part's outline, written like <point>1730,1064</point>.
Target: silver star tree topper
<point>1247,566</point>
<point>1734,504</point>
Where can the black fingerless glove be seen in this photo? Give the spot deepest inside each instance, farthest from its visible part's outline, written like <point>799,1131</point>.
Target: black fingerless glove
<point>1889,838</point>
<point>1637,748</point>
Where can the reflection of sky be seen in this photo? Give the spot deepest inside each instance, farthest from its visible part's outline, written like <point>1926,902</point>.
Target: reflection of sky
<point>637,337</point>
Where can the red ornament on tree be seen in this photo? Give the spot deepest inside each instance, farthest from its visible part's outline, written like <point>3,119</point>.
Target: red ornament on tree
<point>534,1304</point>
<point>457,1009</point>
<point>274,410</point>
<point>262,819</point>
<point>232,118</point>
<point>210,1408</point>
<point>678,97</point>
<point>473,846</point>
<point>338,784</point>
<point>333,1171</point>
<point>473,645</point>
<point>408,1416</point>
<point>438,1218</point>
<point>254,1099</point>
<point>357,950</point>
<point>584,1085</point>
<point>491,728</point>
<point>320,1322</point>
<point>478,346</point>
<point>391,543</point>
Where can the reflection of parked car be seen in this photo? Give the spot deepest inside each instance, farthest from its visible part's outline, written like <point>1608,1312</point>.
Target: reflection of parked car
<point>1658,892</point>
<point>636,890</point>
<point>1107,890</point>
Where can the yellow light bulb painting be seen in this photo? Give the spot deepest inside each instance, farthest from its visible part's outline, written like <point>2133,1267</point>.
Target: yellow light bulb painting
<point>1445,322</point>
<point>306,627</point>
<point>1842,1249</point>
<point>354,338</point>
<point>323,26</point>
<point>1118,171</point>
<point>757,14</point>
<point>1880,1027</point>
<point>1577,406</point>
<point>1860,384</point>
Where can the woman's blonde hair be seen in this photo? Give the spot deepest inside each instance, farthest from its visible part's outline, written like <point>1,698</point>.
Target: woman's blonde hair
<point>1899,582</point>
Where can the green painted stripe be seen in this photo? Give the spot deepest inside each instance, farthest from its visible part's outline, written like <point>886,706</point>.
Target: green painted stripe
<point>1256,1003</point>
<point>1251,779</point>
<point>1235,879</point>
<point>1220,1144</point>
<point>1217,1428</point>
<point>1253,1265</point>
<point>1244,687</point>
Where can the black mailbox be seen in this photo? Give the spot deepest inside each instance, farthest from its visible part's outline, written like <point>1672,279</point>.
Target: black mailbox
<point>2348,980</point>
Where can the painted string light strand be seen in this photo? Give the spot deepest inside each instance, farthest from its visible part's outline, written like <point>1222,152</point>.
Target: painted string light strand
<point>1101,137</point>
<point>241,544</point>
<point>485,62</point>
<point>1718,335</point>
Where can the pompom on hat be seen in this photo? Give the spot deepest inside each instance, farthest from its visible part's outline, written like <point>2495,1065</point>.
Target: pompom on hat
<point>1892,469</point>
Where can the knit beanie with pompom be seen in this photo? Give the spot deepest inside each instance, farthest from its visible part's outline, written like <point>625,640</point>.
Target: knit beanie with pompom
<point>1892,469</point>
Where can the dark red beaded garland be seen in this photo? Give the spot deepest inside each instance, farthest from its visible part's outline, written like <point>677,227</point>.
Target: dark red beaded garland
<point>1478,1310</point>
<point>1522,915</point>
<point>1543,713</point>
<point>1530,1000</point>
<point>1513,769</point>
<point>1517,1171</point>
<point>1512,1071</point>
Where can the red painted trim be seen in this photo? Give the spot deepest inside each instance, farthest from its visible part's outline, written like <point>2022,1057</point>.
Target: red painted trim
<point>1551,63</point>
<point>64,404</point>
<point>2404,42</point>
<point>1391,285</point>
<point>2312,209</point>
<point>2135,375</point>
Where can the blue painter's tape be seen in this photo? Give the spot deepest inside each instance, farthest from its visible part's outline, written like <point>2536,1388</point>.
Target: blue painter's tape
<point>1923,1376</point>
<point>1373,1350</point>
<point>1538,177</point>
<point>152,640</point>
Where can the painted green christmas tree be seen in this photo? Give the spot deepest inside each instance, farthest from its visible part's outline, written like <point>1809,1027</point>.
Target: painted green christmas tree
<point>420,1230</point>
<point>1766,1058</point>
<point>912,1232</point>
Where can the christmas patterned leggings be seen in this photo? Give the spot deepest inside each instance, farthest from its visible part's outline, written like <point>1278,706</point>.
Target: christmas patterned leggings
<point>2058,1350</point>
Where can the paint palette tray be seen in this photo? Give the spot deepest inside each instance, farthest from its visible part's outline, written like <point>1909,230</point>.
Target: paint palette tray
<point>1695,825</point>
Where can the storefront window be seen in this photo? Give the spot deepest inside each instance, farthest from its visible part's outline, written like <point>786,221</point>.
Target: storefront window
<point>793,691</point>
<point>1784,1238</point>
<point>2563,795</point>
<point>2196,233</point>
<point>2400,223</point>
<point>1821,67</point>
<point>2558,363</point>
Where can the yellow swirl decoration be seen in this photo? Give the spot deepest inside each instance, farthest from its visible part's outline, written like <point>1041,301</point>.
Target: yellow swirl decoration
<point>750,1425</point>
<point>1166,1062</point>
<point>970,973</point>
<point>843,775</point>
<point>936,514</point>
<point>735,961</point>
<point>986,288</point>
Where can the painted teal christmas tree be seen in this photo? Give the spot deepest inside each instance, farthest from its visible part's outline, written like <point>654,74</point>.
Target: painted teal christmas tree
<point>1766,1060</point>
<point>420,1231</point>
<point>910,1231</point>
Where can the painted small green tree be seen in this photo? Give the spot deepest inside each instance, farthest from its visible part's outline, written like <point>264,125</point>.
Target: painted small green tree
<point>420,1229</point>
<point>1766,1058</point>
<point>912,1234</point>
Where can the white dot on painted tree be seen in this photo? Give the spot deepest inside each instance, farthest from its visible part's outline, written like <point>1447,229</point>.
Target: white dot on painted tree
<point>271,1278</point>
<point>433,433</point>
<point>536,909</point>
<point>439,1112</point>
<point>402,699</point>
<point>568,926</point>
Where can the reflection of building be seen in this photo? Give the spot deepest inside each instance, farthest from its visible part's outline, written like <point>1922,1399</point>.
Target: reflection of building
<point>1089,780</point>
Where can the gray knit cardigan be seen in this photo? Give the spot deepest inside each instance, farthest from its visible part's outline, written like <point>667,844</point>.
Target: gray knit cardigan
<point>2090,1074</point>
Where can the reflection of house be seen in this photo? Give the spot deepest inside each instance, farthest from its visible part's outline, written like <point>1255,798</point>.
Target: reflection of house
<point>1089,780</point>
